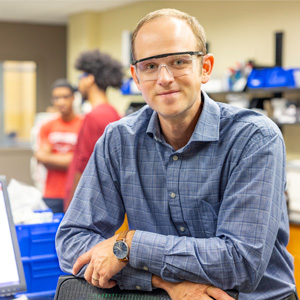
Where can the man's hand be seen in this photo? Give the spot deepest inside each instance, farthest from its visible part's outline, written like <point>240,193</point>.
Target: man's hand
<point>189,290</point>
<point>102,263</point>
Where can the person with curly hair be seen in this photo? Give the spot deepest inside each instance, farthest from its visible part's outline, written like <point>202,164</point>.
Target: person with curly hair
<point>99,72</point>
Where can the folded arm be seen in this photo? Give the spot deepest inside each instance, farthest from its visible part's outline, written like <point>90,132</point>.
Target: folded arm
<point>235,258</point>
<point>246,229</point>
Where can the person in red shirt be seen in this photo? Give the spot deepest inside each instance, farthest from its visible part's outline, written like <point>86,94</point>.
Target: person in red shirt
<point>57,140</point>
<point>99,72</point>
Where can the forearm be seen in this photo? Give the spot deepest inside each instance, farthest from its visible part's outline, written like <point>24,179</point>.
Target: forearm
<point>71,243</point>
<point>216,261</point>
<point>54,160</point>
<point>84,226</point>
<point>158,282</point>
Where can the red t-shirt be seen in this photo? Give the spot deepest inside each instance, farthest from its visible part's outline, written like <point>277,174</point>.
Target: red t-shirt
<point>92,128</point>
<point>62,138</point>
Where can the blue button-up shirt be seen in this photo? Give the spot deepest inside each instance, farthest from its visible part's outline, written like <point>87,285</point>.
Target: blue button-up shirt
<point>212,212</point>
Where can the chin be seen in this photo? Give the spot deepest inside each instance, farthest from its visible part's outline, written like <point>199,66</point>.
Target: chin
<point>169,114</point>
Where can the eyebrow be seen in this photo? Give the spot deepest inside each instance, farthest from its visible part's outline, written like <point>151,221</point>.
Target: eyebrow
<point>168,54</point>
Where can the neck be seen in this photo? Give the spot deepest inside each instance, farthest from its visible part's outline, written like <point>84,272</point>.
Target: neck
<point>69,117</point>
<point>97,96</point>
<point>178,132</point>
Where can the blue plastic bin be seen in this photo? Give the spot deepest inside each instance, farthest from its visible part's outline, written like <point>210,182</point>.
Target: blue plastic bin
<point>271,78</point>
<point>41,273</point>
<point>38,239</point>
<point>40,262</point>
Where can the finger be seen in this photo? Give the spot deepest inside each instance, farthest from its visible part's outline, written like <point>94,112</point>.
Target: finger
<point>81,261</point>
<point>89,273</point>
<point>106,284</point>
<point>217,293</point>
<point>95,280</point>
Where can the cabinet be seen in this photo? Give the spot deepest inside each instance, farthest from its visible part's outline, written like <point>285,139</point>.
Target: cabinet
<point>260,98</point>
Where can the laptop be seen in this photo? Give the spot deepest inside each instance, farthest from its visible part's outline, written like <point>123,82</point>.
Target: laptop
<point>12,278</point>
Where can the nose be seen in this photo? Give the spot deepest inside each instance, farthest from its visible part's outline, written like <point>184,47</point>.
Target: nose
<point>164,76</point>
<point>60,101</point>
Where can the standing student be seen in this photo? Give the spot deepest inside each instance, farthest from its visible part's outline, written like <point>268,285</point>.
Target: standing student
<point>57,140</point>
<point>202,184</point>
<point>99,72</point>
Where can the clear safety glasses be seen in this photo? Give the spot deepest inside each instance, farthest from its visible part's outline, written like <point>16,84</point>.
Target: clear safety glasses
<point>177,64</point>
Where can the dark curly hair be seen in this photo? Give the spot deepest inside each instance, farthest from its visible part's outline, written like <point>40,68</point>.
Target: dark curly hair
<point>106,70</point>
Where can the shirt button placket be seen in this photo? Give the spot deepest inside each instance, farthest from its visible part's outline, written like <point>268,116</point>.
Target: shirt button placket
<point>172,195</point>
<point>175,157</point>
<point>173,191</point>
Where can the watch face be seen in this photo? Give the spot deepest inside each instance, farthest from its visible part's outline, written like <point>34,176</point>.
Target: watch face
<point>120,249</point>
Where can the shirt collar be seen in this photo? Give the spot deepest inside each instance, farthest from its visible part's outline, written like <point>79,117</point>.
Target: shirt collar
<point>207,128</point>
<point>153,129</point>
<point>208,125</point>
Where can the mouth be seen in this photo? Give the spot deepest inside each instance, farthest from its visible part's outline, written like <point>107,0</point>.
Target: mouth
<point>167,93</point>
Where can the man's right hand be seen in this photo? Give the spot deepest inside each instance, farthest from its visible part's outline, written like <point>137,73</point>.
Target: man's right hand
<point>190,291</point>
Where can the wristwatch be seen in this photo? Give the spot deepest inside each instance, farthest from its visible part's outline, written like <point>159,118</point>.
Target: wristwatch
<point>120,248</point>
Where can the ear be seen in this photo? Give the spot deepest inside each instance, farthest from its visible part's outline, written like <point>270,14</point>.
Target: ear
<point>208,63</point>
<point>90,80</point>
<point>134,76</point>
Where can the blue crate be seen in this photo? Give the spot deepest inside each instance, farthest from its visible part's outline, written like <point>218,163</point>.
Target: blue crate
<point>271,78</point>
<point>38,239</point>
<point>41,273</point>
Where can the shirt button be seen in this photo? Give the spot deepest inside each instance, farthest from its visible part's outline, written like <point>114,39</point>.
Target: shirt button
<point>173,195</point>
<point>145,268</point>
<point>175,157</point>
<point>138,287</point>
<point>182,229</point>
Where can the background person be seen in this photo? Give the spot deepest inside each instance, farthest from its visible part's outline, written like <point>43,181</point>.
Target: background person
<point>202,184</point>
<point>56,143</point>
<point>100,72</point>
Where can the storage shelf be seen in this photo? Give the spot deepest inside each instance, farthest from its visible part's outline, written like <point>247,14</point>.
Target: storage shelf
<point>259,90</point>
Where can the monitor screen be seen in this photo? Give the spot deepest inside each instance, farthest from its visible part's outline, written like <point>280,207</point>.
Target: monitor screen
<point>12,279</point>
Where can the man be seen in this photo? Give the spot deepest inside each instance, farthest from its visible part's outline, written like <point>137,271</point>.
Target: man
<point>57,140</point>
<point>100,72</point>
<point>202,184</point>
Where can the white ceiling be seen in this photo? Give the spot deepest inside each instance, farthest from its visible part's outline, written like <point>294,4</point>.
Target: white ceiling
<point>52,11</point>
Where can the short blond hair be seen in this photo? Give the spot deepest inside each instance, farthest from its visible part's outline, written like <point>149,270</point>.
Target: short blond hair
<point>174,13</point>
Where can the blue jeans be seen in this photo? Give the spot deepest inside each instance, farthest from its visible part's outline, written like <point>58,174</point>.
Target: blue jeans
<point>55,204</point>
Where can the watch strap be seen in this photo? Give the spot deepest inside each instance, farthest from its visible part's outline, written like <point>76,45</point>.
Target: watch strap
<point>122,235</point>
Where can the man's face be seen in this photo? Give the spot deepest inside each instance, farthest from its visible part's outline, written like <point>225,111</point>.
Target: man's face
<point>84,85</point>
<point>171,97</point>
<point>62,99</point>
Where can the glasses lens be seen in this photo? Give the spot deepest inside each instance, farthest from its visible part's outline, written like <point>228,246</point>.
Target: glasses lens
<point>177,65</point>
<point>65,97</point>
<point>83,75</point>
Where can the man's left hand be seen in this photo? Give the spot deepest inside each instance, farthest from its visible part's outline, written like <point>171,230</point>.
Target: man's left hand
<point>102,264</point>
<point>189,290</point>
